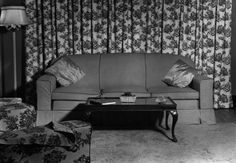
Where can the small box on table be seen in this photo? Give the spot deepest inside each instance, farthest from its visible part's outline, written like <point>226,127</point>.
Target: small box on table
<point>62,142</point>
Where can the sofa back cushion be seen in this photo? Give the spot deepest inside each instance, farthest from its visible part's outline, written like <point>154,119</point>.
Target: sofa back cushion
<point>157,66</point>
<point>89,64</point>
<point>122,70</point>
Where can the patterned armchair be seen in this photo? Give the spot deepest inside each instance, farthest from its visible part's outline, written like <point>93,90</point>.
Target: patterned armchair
<point>16,115</point>
<point>63,142</point>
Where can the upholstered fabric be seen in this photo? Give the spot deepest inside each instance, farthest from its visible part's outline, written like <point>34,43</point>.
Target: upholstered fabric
<point>118,94</point>
<point>122,70</point>
<point>17,116</point>
<point>74,93</point>
<point>90,64</point>
<point>180,74</point>
<point>65,71</point>
<point>119,90</point>
<point>131,88</point>
<point>57,142</point>
<point>205,89</point>
<point>110,75</point>
<point>67,105</point>
<point>174,92</point>
<point>46,84</point>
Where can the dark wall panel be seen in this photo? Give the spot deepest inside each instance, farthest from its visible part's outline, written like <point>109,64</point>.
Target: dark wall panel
<point>7,68</point>
<point>1,53</point>
<point>233,49</point>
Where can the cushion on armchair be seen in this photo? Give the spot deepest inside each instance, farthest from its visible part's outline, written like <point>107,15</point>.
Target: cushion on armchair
<point>65,71</point>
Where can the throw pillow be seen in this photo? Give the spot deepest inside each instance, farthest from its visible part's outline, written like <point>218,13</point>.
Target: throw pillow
<point>180,74</point>
<point>65,71</point>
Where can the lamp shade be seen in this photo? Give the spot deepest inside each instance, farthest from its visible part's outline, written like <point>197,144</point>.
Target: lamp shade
<point>13,15</point>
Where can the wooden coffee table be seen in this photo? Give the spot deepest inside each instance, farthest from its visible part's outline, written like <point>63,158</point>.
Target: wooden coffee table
<point>111,104</point>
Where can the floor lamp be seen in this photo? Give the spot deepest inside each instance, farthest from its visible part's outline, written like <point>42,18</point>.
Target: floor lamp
<point>13,17</point>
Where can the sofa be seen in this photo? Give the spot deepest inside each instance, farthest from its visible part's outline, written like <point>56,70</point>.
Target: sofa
<point>108,75</point>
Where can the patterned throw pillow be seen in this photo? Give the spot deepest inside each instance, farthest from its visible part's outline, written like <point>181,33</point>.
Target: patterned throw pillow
<point>65,71</point>
<point>180,74</point>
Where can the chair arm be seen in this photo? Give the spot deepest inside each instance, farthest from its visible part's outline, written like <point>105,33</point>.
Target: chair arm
<point>204,86</point>
<point>45,86</point>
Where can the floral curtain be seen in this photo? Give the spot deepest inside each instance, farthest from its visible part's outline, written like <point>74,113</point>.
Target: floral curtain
<point>199,29</point>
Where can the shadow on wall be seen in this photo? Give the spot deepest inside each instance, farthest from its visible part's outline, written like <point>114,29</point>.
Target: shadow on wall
<point>30,95</point>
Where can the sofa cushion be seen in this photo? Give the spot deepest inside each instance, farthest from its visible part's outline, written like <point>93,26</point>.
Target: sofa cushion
<point>180,74</point>
<point>90,66</point>
<point>73,92</point>
<point>65,71</point>
<point>118,91</point>
<point>157,66</point>
<point>122,70</point>
<point>174,92</point>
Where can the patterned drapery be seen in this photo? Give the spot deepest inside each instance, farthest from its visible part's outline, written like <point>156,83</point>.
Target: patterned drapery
<point>199,29</point>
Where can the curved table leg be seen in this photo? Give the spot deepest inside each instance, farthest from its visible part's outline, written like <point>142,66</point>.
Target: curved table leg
<point>167,116</point>
<point>161,129</point>
<point>161,119</point>
<point>175,118</point>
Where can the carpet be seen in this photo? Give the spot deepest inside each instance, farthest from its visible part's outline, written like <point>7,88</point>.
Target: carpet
<point>196,144</point>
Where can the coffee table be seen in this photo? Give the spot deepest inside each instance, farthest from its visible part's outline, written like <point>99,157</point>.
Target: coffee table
<point>111,104</point>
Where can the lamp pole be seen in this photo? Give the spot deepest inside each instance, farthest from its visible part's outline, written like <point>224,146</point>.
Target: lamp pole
<point>14,62</point>
<point>13,17</point>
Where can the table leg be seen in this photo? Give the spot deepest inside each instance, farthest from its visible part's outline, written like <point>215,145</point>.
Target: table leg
<point>175,118</point>
<point>167,116</point>
<point>161,129</point>
<point>161,119</point>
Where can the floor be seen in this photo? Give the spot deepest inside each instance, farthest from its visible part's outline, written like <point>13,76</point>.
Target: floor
<point>225,115</point>
<point>196,143</point>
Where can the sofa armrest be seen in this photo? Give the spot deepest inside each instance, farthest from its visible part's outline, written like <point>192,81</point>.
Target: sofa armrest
<point>45,86</point>
<point>204,86</point>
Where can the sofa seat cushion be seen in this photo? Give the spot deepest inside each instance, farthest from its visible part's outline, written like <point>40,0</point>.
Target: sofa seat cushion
<point>174,92</point>
<point>74,93</point>
<point>118,91</point>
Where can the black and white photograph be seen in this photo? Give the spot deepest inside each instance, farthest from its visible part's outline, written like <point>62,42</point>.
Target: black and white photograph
<point>117,81</point>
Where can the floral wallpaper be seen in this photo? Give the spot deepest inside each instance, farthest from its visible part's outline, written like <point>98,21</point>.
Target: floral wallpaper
<point>199,29</point>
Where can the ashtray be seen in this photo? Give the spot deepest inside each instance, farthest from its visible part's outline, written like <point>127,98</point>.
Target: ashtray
<point>161,99</point>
